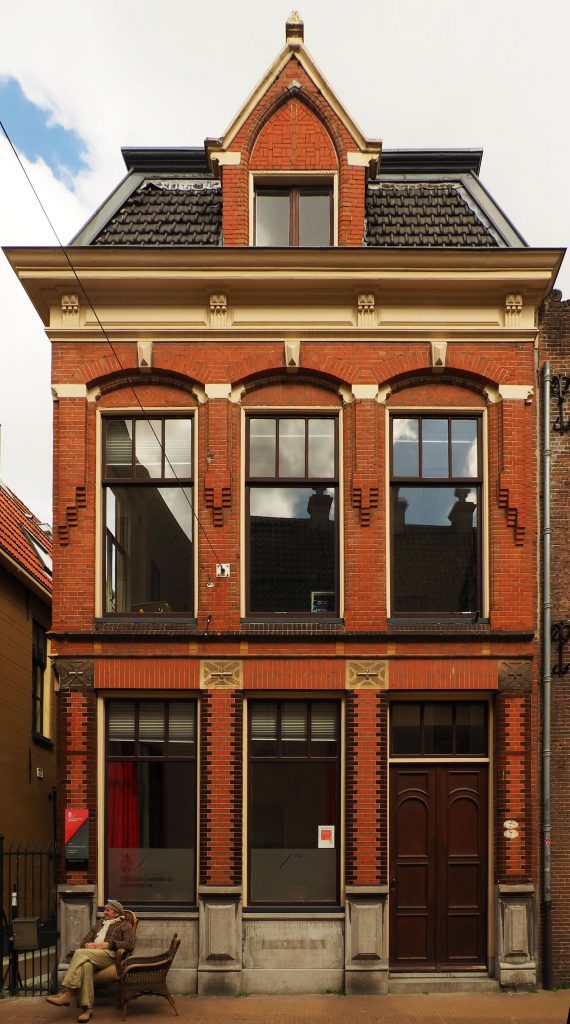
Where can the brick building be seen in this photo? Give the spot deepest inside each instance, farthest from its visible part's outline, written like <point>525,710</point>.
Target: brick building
<point>554,347</point>
<point>296,556</point>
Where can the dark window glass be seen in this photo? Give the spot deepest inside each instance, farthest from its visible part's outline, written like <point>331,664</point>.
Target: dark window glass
<point>148,516</point>
<point>293,216</point>
<point>438,729</point>
<point>435,519</point>
<point>406,730</point>
<point>471,730</point>
<point>39,665</point>
<point>294,797</point>
<point>151,801</point>
<point>292,523</point>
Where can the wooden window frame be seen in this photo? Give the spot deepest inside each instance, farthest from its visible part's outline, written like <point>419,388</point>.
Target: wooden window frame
<point>474,483</point>
<point>280,757</point>
<point>332,483</point>
<point>294,192</point>
<point>136,758</point>
<point>163,481</point>
<point>453,755</point>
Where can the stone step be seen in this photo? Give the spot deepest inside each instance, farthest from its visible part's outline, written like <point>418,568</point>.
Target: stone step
<point>441,981</point>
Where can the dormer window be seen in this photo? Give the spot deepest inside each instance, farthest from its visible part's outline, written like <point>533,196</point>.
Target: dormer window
<point>294,216</point>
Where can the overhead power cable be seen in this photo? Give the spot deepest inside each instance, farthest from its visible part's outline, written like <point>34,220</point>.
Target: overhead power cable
<point>83,290</point>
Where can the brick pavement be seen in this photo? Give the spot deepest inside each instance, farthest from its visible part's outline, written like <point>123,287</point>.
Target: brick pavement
<point>494,1008</point>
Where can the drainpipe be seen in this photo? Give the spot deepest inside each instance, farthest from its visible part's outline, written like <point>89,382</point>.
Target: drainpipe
<point>546,681</point>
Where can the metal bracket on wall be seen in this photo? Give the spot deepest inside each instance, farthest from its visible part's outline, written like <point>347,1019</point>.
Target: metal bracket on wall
<point>560,635</point>
<point>559,388</point>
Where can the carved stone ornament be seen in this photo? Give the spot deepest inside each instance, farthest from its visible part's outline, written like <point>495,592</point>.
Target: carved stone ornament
<point>367,675</point>
<point>75,674</point>
<point>515,676</point>
<point>513,310</point>
<point>218,311</point>
<point>69,304</point>
<point>365,310</point>
<point>221,675</point>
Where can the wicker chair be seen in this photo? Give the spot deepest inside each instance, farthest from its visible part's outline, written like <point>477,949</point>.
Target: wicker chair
<point>110,974</point>
<point>146,976</point>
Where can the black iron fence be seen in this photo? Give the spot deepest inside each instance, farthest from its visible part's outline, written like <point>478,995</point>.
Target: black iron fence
<point>29,922</point>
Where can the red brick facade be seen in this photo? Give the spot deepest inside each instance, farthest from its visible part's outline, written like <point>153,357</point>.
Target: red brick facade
<point>361,373</point>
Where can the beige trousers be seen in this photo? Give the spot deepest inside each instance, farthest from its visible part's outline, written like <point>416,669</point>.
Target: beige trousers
<point>80,972</point>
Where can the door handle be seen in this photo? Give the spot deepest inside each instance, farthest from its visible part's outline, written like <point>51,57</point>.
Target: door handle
<point>392,884</point>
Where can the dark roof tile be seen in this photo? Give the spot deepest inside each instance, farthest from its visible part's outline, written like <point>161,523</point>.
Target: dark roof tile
<point>167,212</point>
<point>422,214</point>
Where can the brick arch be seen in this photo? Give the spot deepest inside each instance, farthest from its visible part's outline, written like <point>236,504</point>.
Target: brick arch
<point>466,366</point>
<point>269,362</point>
<point>104,371</point>
<point>293,136</point>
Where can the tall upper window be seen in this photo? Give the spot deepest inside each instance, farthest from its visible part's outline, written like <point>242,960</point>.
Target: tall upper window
<point>151,800</point>
<point>294,801</point>
<point>293,216</point>
<point>148,494</point>
<point>292,498</point>
<point>39,664</point>
<point>435,506</point>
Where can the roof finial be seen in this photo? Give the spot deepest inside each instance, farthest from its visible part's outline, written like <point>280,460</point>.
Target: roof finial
<point>294,29</point>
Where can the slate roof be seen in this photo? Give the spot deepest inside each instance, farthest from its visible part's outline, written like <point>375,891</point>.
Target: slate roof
<point>426,214</point>
<point>167,212</point>
<point>16,523</point>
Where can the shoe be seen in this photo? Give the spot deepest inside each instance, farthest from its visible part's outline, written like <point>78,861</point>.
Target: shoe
<point>61,999</point>
<point>85,1014</point>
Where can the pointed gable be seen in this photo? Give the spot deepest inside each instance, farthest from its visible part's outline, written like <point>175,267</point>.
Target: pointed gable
<point>293,124</point>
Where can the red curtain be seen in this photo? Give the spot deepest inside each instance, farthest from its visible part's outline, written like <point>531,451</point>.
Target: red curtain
<point>122,806</point>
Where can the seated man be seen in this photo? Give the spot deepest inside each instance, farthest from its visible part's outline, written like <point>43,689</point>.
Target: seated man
<point>98,950</point>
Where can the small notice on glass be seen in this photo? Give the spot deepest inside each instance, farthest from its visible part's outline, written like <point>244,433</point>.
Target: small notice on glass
<point>326,837</point>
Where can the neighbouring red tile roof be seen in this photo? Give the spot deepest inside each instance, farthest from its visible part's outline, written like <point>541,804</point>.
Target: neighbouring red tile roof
<point>16,521</point>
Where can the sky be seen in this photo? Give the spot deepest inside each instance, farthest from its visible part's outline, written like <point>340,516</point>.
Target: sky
<point>78,80</point>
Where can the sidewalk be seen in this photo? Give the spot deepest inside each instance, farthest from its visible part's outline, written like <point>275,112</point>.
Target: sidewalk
<point>494,1008</point>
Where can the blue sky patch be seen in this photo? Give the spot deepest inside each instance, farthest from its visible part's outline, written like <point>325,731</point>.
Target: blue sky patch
<point>29,128</point>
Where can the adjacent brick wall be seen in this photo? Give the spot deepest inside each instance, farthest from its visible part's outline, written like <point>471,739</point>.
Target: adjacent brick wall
<point>554,345</point>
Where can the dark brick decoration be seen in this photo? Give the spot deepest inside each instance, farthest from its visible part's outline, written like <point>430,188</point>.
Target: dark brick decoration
<point>366,819</point>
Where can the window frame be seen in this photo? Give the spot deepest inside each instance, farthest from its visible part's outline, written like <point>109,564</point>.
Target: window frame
<point>332,483</point>
<point>454,703</point>
<point>294,193</point>
<point>187,483</point>
<point>136,759</point>
<point>279,757</point>
<point>476,483</point>
<point>39,668</point>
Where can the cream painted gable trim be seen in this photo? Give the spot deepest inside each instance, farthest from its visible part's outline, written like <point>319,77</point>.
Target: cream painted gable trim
<point>294,49</point>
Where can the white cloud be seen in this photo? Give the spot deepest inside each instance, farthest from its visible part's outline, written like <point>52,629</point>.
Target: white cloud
<point>444,74</point>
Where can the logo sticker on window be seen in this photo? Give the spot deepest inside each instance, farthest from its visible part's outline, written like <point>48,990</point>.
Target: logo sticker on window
<point>325,837</point>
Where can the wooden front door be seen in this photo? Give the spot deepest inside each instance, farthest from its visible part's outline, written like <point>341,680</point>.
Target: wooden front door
<point>438,867</point>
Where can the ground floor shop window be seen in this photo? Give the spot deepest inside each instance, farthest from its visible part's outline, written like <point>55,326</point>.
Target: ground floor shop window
<point>294,802</point>
<point>151,801</point>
